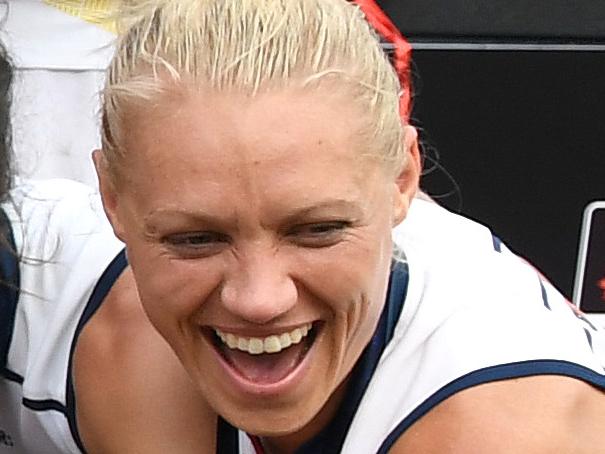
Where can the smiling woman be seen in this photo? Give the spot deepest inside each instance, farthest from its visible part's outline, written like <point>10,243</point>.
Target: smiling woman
<point>263,268</point>
<point>277,226</point>
<point>256,158</point>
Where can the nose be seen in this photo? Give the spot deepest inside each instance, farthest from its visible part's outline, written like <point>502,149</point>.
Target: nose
<point>260,288</point>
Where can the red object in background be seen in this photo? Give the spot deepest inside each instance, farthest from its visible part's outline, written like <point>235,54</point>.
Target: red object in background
<point>601,285</point>
<point>402,50</point>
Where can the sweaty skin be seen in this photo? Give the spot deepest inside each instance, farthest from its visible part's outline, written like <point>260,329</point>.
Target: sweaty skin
<point>132,394</point>
<point>532,415</point>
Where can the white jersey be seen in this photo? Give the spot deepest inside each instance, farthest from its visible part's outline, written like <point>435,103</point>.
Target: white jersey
<point>463,310</point>
<point>68,259</point>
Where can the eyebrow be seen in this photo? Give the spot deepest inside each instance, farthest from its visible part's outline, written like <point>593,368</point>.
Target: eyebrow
<point>341,206</point>
<point>194,216</point>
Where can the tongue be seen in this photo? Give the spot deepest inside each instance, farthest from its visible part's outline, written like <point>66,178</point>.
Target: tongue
<point>267,367</point>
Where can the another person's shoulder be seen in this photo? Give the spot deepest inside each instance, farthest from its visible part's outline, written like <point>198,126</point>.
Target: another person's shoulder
<point>63,241</point>
<point>56,198</point>
<point>57,217</point>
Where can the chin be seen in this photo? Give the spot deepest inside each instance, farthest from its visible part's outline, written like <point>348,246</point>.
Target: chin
<point>267,423</point>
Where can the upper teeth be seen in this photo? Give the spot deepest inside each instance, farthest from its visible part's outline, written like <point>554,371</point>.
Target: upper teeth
<point>270,344</point>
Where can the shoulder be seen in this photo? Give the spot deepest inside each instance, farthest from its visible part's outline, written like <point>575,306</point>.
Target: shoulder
<point>433,228</point>
<point>49,191</point>
<point>46,196</point>
<point>540,415</point>
<point>476,313</point>
<point>132,393</point>
<point>63,240</point>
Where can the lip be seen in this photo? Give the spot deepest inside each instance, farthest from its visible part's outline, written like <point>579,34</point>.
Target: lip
<point>244,386</point>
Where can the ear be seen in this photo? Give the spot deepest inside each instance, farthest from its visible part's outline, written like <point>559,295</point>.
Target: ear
<point>408,180</point>
<point>108,191</point>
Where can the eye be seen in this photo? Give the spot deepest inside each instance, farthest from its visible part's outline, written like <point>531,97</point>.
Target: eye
<point>319,234</point>
<point>196,244</point>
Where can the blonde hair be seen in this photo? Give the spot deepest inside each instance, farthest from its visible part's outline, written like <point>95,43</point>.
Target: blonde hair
<point>251,45</point>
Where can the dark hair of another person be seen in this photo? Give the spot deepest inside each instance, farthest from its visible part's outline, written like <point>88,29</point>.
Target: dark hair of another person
<point>6,79</point>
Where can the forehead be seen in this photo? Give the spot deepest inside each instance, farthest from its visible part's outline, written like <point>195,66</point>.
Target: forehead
<point>243,160</point>
<point>188,130</point>
<point>285,115</point>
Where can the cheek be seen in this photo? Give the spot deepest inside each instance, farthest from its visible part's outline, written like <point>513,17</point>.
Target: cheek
<point>171,291</point>
<point>350,276</point>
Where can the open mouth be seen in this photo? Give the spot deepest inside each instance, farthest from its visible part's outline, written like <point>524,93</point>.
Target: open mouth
<point>266,360</point>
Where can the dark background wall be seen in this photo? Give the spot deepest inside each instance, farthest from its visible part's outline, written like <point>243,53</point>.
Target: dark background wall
<point>502,20</point>
<point>522,134</point>
<point>514,138</point>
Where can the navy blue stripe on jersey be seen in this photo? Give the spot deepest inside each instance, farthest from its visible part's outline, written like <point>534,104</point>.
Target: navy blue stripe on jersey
<point>332,437</point>
<point>398,289</point>
<point>44,405</point>
<point>497,243</point>
<point>9,289</point>
<point>102,288</point>
<point>227,438</point>
<point>588,337</point>
<point>580,316</point>
<point>492,374</point>
<point>544,295</point>
<point>11,376</point>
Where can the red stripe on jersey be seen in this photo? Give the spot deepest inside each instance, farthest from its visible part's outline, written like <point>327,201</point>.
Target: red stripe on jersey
<point>258,447</point>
